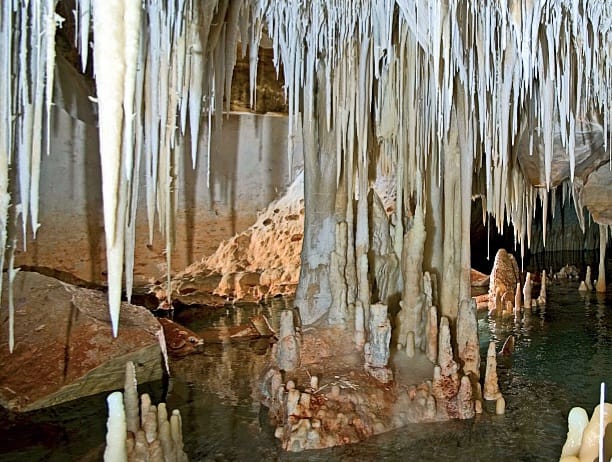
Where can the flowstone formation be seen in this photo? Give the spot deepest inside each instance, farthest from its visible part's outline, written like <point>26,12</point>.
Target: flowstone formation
<point>322,389</point>
<point>334,397</point>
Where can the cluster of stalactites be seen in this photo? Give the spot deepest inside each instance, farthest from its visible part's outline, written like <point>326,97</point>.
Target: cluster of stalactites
<point>27,55</point>
<point>392,67</point>
<point>161,65</point>
<point>182,81</point>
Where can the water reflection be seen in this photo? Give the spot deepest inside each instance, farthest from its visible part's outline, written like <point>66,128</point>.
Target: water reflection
<point>561,355</point>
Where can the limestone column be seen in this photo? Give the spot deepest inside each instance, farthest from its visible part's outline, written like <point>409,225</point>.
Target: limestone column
<point>451,202</point>
<point>313,295</point>
<point>376,350</point>
<point>409,317</point>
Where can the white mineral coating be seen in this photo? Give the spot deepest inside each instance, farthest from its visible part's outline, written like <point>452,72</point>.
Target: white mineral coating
<point>379,337</point>
<point>589,448</point>
<point>467,337</point>
<point>491,387</point>
<point>287,326</point>
<point>446,362</point>
<point>582,287</point>
<point>116,448</point>
<point>577,421</point>
<point>110,68</point>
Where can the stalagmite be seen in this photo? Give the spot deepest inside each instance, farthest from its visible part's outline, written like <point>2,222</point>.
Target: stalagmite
<point>376,349</point>
<point>338,312</point>
<point>577,420</point>
<point>500,406</point>
<point>527,291</point>
<point>591,437</point>
<point>130,398</point>
<point>432,335</point>
<point>517,299</point>
<point>588,279</point>
<point>409,317</point>
<point>467,338</point>
<point>491,388</point>
<point>152,436</point>
<point>116,450</point>
<point>542,297</point>
<point>447,364</point>
<point>288,347</point>
<point>603,241</point>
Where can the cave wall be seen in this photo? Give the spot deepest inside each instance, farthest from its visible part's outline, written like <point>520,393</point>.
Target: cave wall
<point>248,169</point>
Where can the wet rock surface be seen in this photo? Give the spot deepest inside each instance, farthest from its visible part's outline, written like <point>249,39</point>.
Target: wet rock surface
<point>64,348</point>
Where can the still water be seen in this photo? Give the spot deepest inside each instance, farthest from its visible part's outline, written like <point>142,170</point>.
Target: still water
<point>561,356</point>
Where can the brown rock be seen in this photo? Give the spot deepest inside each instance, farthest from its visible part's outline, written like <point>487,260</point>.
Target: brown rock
<point>180,341</point>
<point>64,348</point>
<point>504,277</point>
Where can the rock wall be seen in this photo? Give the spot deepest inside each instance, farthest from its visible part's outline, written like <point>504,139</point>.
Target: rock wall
<point>248,168</point>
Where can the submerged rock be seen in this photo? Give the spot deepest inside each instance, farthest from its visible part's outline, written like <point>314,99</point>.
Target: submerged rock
<point>180,341</point>
<point>64,347</point>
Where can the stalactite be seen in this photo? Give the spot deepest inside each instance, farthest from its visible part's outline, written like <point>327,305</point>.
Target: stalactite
<point>385,63</point>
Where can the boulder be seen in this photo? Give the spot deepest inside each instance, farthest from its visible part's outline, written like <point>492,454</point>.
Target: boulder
<point>596,195</point>
<point>180,341</point>
<point>589,154</point>
<point>504,277</point>
<point>63,334</point>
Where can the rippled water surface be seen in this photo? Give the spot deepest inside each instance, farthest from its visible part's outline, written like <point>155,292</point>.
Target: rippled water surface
<point>561,357</point>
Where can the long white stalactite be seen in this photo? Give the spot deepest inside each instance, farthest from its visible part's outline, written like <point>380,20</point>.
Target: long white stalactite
<point>391,67</point>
